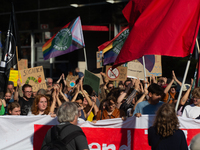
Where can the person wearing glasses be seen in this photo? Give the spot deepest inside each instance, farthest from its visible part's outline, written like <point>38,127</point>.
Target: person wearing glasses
<point>193,110</point>
<point>26,101</point>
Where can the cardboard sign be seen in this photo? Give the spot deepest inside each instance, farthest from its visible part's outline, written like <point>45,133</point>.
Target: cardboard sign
<point>71,80</point>
<point>14,77</point>
<point>157,69</point>
<point>119,73</point>
<point>92,80</point>
<point>135,70</point>
<point>22,64</point>
<point>35,77</point>
<point>99,59</point>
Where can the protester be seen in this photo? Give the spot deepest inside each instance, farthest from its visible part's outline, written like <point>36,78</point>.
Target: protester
<point>26,101</point>
<point>10,87</point>
<point>41,105</point>
<point>49,82</point>
<point>2,107</point>
<point>14,108</point>
<point>165,133</point>
<point>7,99</point>
<point>195,144</point>
<point>67,116</point>
<point>111,111</point>
<point>154,102</point>
<point>170,90</point>
<point>193,110</point>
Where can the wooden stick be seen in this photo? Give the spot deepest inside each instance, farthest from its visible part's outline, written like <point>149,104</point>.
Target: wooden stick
<point>17,62</point>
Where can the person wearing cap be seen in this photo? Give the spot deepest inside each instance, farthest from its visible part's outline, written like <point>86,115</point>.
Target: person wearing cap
<point>170,90</point>
<point>193,110</point>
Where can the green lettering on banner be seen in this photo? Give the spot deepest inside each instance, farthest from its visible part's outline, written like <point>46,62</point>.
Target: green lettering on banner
<point>92,80</point>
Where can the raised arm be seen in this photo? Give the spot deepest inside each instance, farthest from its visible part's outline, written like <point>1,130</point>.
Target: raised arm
<point>168,86</point>
<point>53,105</point>
<point>121,97</point>
<point>186,95</point>
<point>76,93</point>
<point>175,79</point>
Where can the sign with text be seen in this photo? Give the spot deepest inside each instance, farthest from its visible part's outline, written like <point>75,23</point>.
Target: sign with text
<point>99,59</point>
<point>135,70</point>
<point>35,77</point>
<point>119,73</point>
<point>92,80</point>
<point>71,80</point>
<point>14,77</point>
<point>22,64</point>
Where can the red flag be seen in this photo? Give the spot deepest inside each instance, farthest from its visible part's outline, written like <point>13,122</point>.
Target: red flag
<point>164,27</point>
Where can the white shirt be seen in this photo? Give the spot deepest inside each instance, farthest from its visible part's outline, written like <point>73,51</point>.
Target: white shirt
<point>191,111</point>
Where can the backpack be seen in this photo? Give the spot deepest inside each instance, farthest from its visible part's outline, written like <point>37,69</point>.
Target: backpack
<point>60,144</point>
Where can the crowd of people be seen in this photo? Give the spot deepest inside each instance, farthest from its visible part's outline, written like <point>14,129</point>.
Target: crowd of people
<point>123,99</point>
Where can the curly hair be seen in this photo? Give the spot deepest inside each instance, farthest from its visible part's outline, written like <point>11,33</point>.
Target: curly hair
<point>35,108</point>
<point>166,121</point>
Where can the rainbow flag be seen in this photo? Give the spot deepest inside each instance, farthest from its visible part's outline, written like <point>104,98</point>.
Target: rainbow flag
<point>68,39</point>
<point>112,48</point>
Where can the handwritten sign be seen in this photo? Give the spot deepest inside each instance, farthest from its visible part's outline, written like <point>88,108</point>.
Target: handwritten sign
<point>135,70</point>
<point>71,80</point>
<point>92,80</point>
<point>14,77</point>
<point>119,73</point>
<point>35,77</point>
<point>22,64</point>
<point>99,59</point>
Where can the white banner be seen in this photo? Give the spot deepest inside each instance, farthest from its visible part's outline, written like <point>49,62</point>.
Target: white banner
<point>27,132</point>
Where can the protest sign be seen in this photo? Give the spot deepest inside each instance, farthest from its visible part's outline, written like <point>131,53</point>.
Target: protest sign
<point>22,64</point>
<point>71,80</point>
<point>99,76</point>
<point>119,73</point>
<point>99,59</point>
<point>35,77</point>
<point>14,77</point>
<point>135,70</point>
<point>92,80</point>
<point>157,69</point>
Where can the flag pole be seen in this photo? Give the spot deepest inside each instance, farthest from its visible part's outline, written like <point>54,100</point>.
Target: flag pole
<point>183,82</point>
<point>85,58</point>
<point>144,67</point>
<point>17,62</point>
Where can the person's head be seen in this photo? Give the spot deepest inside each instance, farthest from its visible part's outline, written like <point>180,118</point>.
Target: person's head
<point>121,85</point>
<point>10,86</point>
<point>161,81</point>
<point>27,90</point>
<point>173,87</point>
<point>77,70</point>
<point>14,108</point>
<point>79,99</point>
<point>195,144</point>
<point>110,86</point>
<point>41,91</point>
<point>196,96</point>
<point>8,95</point>
<point>68,112</point>
<point>127,82</point>
<point>166,120</point>
<point>49,82</point>
<point>156,93</point>
<point>41,105</point>
<point>111,101</point>
<point>103,105</point>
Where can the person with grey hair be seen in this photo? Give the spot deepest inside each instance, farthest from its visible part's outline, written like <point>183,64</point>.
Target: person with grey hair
<point>195,144</point>
<point>67,131</point>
